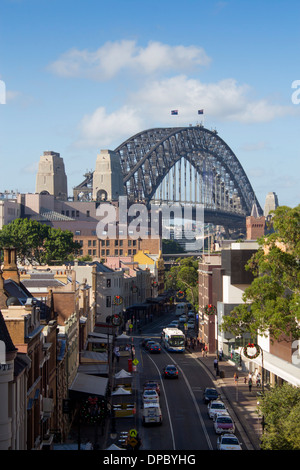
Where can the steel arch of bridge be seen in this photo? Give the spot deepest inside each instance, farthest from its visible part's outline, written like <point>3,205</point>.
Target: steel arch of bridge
<point>147,157</point>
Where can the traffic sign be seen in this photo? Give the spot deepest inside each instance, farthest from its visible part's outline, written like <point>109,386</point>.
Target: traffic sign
<point>135,362</point>
<point>133,433</point>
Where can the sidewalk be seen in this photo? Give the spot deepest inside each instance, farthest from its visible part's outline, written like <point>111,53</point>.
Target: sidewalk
<point>242,403</point>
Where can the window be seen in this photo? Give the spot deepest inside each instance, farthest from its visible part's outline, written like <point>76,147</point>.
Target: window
<point>77,232</point>
<point>108,282</point>
<point>121,253</point>
<point>87,213</point>
<point>108,301</point>
<point>90,243</point>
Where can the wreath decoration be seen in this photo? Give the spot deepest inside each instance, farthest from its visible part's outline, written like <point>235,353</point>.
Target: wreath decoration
<point>118,300</point>
<point>210,309</point>
<point>254,351</point>
<point>180,294</point>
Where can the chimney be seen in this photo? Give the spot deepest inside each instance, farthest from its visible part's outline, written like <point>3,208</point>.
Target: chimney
<point>10,268</point>
<point>3,295</point>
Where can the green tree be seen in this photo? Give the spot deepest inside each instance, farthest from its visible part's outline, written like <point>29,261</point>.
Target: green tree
<point>184,276</point>
<point>37,243</point>
<point>280,408</point>
<point>272,301</point>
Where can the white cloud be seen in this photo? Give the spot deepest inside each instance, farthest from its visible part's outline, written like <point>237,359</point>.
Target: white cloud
<point>114,57</point>
<point>100,129</point>
<point>224,100</point>
<point>151,106</point>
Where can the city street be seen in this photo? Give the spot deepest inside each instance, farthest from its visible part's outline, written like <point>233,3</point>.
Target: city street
<point>186,425</point>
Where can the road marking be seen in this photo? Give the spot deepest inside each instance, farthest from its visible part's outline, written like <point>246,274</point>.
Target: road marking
<point>167,405</point>
<point>195,403</point>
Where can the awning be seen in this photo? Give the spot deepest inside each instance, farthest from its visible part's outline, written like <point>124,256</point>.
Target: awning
<point>94,369</point>
<point>283,369</point>
<point>88,384</point>
<point>93,357</point>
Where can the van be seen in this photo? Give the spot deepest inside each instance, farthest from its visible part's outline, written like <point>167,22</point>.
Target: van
<point>181,309</point>
<point>151,413</point>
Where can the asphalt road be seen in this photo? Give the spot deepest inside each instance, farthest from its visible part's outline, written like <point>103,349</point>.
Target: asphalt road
<point>186,424</point>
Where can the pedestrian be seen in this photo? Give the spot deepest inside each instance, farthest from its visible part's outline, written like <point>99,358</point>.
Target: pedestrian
<point>215,363</point>
<point>88,446</point>
<point>206,350</point>
<point>236,377</point>
<point>250,384</point>
<point>258,380</point>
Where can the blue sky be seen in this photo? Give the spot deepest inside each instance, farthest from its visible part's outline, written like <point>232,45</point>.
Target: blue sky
<point>82,76</point>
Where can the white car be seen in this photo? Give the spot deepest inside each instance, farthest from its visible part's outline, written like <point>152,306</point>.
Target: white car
<point>150,396</point>
<point>228,442</point>
<point>151,413</point>
<point>216,407</point>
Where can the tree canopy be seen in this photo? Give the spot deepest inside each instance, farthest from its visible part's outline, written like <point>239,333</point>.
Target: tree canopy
<point>184,276</point>
<point>38,243</point>
<point>280,409</point>
<point>272,301</point>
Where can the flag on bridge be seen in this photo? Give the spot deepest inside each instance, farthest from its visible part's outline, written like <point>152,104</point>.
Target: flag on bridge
<point>174,111</point>
<point>200,111</point>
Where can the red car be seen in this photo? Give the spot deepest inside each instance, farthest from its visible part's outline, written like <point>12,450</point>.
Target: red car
<point>152,385</point>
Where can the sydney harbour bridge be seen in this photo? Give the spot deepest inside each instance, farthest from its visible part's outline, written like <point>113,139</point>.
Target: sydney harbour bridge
<point>187,165</point>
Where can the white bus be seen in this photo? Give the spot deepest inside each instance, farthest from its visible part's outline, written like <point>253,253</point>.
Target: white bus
<point>173,339</point>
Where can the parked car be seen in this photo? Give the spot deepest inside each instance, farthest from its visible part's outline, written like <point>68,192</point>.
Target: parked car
<point>216,407</point>
<point>228,442</point>
<point>151,413</point>
<point>210,394</point>
<point>150,395</point>
<point>151,384</point>
<point>224,424</point>
<point>154,348</point>
<point>191,324</point>
<point>170,372</point>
